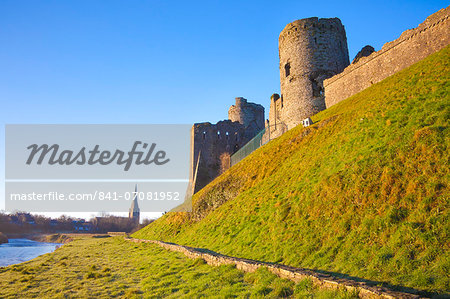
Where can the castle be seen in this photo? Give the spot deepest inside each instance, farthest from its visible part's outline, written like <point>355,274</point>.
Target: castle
<point>310,51</point>
<point>315,73</point>
<point>213,144</point>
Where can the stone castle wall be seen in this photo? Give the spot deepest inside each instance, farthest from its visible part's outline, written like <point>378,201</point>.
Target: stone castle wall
<point>310,50</point>
<point>413,45</point>
<point>314,74</point>
<point>213,144</point>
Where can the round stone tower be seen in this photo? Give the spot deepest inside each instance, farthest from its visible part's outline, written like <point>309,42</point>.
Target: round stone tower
<point>310,50</point>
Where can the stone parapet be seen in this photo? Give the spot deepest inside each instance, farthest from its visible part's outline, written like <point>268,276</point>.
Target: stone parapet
<point>412,46</point>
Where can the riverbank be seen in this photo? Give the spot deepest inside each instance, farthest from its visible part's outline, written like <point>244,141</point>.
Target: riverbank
<point>3,238</point>
<point>106,267</point>
<point>19,250</point>
<point>55,237</point>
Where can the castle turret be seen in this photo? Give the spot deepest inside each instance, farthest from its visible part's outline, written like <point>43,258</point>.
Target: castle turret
<point>212,145</point>
<point>310,51</point>
<point>250,115</point>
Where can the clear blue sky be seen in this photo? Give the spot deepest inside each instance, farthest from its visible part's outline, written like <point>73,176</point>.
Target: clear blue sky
<point>161,61</point>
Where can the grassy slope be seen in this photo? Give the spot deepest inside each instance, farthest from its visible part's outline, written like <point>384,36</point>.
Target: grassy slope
<point>111,267</point>
<point>363,192</point>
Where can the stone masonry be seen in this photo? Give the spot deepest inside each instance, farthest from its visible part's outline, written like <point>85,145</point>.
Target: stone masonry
<point>314,74</point>
<point>413,45</point>
<point>213,144</point>
<point>250,115</point>
<point>310,51</point>
<point>365,289</point>
<point>364,52</point>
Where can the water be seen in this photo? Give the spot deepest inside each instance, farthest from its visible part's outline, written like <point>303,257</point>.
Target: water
<point>22,250</point>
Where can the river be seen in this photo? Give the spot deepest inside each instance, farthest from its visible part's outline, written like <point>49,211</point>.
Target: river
<point>22,250</point>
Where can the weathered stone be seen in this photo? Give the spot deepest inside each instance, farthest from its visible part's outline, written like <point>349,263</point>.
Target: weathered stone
<point>412,46</point>
<point>250,115</point>
<point>364,52</point>
<point>365,289</point>
<point>310,50</point>
<point>314,74</point>
<point>213,144</point>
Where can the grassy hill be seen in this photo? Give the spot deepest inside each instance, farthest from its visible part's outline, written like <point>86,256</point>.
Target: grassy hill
<point>363,192</point>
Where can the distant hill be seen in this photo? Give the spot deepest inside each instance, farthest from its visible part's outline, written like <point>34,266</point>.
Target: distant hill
<point>362,192</point>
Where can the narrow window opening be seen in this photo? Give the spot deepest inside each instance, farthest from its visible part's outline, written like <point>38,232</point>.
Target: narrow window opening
<point>317,89</point>
<point>218,134</point>
<point>287,69</point>
<point>204,135</point>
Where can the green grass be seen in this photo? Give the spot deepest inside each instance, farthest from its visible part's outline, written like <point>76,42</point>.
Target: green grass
<point>111,267</point>
<point>363,192</point>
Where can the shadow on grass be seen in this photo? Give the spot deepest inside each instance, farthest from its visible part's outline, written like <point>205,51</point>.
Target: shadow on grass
<point>314,272</point>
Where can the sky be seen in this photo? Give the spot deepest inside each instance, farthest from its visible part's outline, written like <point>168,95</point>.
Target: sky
<point>161,62</point>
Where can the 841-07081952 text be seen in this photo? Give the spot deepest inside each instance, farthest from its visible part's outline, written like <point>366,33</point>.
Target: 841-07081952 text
<point>97,195</point>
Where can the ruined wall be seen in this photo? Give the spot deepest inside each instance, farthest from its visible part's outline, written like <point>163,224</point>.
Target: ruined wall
<point>215,143</point>
<point>212,142</point>
<point>413,45</point>
<point>275,127</point>
<point>310,50</point>
<point>250,115</point>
